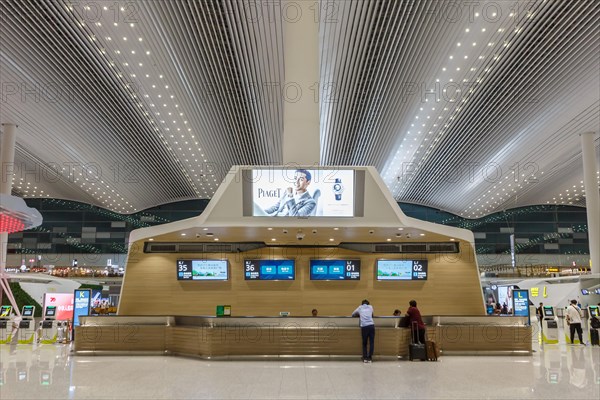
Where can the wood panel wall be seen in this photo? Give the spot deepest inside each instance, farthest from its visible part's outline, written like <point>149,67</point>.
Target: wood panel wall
<point>150,286</point>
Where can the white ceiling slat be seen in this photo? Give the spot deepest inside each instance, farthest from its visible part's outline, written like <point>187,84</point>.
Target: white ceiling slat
<point>211,108</point>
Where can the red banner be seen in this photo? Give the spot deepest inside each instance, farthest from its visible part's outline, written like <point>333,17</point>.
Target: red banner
<point>63,303</point>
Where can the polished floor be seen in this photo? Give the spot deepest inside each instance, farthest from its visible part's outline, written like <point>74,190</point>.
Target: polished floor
<point>52,372</point>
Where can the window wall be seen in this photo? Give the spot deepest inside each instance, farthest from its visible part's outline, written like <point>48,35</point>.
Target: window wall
<point>72,227</point>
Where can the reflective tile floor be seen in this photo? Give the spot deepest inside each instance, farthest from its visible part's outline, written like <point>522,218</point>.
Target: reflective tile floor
<point>52,372</point>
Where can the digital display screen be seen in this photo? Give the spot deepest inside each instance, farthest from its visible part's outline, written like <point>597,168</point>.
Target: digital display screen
<point>401,270</point>
<point>27,311</point>
<point>269,270</point>
<point>585,292</point>
<point>302,192</point>
<point>50,311</point>
<point>202,270</point>
<point>594,311</point>
<point>5,311</point>
<point>548,312</point>
<point>334,270</point>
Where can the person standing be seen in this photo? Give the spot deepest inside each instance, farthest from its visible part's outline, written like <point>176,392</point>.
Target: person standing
<point>296,201</point>
<point>540,312</point>
<point>574,321</point>
<point>398,314</point>
<point>367,329</point>
<point>414,315</point>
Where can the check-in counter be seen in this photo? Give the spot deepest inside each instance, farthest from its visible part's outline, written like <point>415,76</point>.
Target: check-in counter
<point>232,337</point>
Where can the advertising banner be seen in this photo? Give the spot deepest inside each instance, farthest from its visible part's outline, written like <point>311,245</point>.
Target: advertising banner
<point>303,193</point>
<point>82,304</point>
<point>521,304</point>
<point>63,303</point>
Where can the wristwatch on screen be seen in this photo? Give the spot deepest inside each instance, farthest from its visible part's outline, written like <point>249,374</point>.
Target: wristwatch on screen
<point>338,189</point>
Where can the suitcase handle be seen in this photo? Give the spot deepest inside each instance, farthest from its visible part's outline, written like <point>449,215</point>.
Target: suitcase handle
<point>414,332</point>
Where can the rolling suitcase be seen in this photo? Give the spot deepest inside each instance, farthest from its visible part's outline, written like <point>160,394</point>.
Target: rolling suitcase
<point>416,349</point>
<point>594,339</point>
<point>433,352</point>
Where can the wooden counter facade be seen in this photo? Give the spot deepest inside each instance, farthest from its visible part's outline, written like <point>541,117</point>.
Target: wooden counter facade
<point>209,337</point>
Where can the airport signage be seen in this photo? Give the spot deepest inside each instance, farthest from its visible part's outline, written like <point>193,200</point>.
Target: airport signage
<point>521,304</point>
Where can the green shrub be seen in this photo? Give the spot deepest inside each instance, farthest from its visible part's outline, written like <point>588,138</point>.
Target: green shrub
<point>22,298</point>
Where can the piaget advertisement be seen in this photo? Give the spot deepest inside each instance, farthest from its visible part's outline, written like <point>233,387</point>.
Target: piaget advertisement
<point>303,192</point>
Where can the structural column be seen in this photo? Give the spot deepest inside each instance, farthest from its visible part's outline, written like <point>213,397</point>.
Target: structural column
<point>301,136</point>
<point>592,201</point>
<point>7,160</point>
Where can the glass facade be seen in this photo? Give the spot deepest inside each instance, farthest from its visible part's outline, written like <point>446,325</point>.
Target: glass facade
<point>72,227</point>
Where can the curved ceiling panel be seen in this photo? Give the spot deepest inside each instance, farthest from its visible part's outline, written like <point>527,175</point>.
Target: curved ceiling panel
<point>470,108</point>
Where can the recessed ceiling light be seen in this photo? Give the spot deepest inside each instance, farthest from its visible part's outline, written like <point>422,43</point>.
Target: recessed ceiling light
<point>331,239</point>
<point>452,239</point>
<point>269,229</point>
<point>421,234</point>
<point>389,240</point>
<point>183,234</point>
<point>151,239</point>
<point>336,229</point>
<point>273,239</point>
<point>400,229</point>
<point>216,239</point>
<point>204,229</point>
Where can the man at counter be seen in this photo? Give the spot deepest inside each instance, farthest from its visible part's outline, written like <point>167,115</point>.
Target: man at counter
<point>315,313</point>
<point>367,329</point>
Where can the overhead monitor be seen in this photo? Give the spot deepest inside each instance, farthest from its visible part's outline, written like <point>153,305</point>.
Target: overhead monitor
<point>402,270</point>
<point>202,270</point>
<point>585,292</point>
<point>334,270</point>
<point>301,192</point>
<point>269,270</point>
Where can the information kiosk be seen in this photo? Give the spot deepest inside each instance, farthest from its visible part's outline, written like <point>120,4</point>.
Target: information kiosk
<point>27,325</point>
<point>49,326</point>
<point>549,326</point>
<point>5,324</point>
<point>594,320</point>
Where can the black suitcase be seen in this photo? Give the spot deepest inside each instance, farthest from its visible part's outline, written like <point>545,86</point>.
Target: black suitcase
<point>416,349</point>
<point>595,340</point>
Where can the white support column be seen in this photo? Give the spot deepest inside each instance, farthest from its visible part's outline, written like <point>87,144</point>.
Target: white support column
<point>592,198</point>
<point>301,136</point>
<point>7,159</point>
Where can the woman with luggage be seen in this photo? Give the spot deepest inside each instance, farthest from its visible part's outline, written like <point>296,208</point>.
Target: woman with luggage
<point>414,315</point>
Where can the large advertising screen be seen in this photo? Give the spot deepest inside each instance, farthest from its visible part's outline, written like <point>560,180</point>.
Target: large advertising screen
<point>63,303</point>
<point>334,270</point>
<point>402,270</point>
<point>202,270</point>
<point>269,270</point>
<point>303,192</point>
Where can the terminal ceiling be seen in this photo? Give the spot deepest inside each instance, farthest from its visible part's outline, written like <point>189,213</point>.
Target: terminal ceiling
<point>469,107</point>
